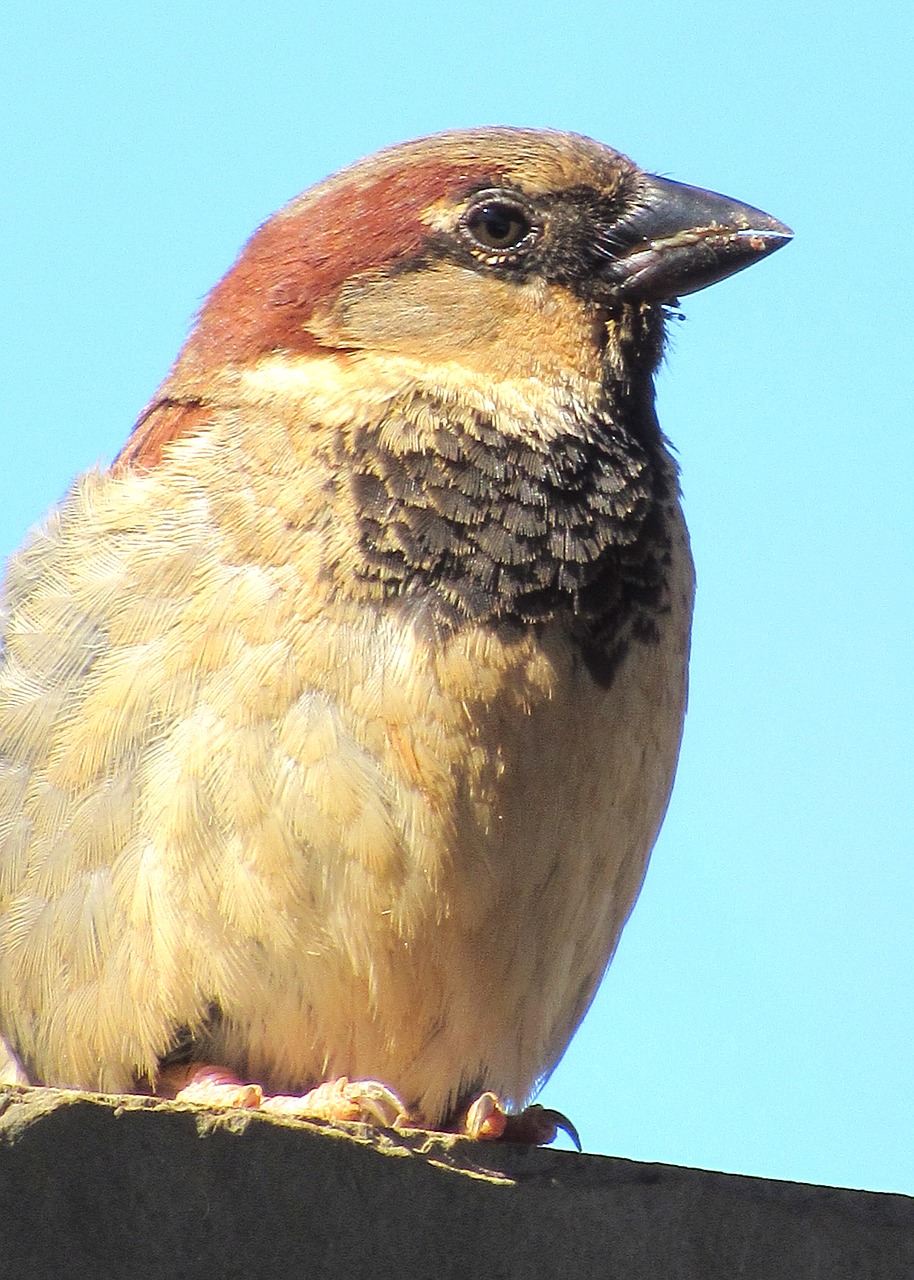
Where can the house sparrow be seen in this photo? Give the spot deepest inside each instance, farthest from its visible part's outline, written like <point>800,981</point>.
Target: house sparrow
<point>339,716</point>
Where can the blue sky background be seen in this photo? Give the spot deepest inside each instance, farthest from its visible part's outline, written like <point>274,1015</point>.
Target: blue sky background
<point>758,1016</point>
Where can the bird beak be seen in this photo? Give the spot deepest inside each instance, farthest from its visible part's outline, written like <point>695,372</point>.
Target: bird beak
<point>682,239</point>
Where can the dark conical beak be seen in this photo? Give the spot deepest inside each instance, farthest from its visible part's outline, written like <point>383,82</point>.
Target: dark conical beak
<point>681,239</point>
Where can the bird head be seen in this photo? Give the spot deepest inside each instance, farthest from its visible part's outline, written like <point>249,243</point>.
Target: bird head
<point>513,253</point>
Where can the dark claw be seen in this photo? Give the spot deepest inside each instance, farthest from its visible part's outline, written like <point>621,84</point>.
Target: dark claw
<point>538,1126</point>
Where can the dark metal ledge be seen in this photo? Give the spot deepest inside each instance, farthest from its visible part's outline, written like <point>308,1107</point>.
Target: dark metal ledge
<point>128,1187</point>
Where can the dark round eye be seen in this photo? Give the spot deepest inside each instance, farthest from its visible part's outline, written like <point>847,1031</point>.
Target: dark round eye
<point>498,226</point>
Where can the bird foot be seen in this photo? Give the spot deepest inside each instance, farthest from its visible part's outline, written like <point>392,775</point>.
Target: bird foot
<point>536,1126</point>
<point>359,1101</point>
<point>209,1086</point>
<point>365,1101</point>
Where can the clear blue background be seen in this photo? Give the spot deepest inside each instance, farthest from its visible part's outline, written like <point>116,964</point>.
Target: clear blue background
<point>758,1016</point>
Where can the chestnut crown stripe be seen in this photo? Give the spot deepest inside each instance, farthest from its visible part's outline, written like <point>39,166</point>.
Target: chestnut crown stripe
<point>304,255</point>
<point>300,256</point>
<point>370,216</point>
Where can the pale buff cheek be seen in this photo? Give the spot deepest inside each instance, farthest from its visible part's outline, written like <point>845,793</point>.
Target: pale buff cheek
<point>496,329</point>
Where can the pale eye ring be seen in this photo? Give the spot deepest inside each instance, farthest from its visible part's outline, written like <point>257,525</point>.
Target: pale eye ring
<point>498,226</point>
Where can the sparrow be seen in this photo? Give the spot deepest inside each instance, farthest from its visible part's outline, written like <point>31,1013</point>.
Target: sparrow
<point>338,717</point>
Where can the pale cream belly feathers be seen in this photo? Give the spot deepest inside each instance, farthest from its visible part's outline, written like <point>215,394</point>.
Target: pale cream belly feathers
<point>233,789</point>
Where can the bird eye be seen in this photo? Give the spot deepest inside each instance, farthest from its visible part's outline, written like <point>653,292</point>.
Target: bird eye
<point>497,227</point>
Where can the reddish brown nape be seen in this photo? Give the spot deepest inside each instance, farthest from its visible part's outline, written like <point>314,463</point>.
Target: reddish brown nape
<point>158,426</point>
<point>297,258</point>
<point>303,255</point>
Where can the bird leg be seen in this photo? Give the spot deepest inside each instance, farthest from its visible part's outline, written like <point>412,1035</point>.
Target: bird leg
<point>207,1085</point>
<point>11,1069</point>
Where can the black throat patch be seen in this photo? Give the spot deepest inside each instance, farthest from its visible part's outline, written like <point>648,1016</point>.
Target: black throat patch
<point>498,530</point>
